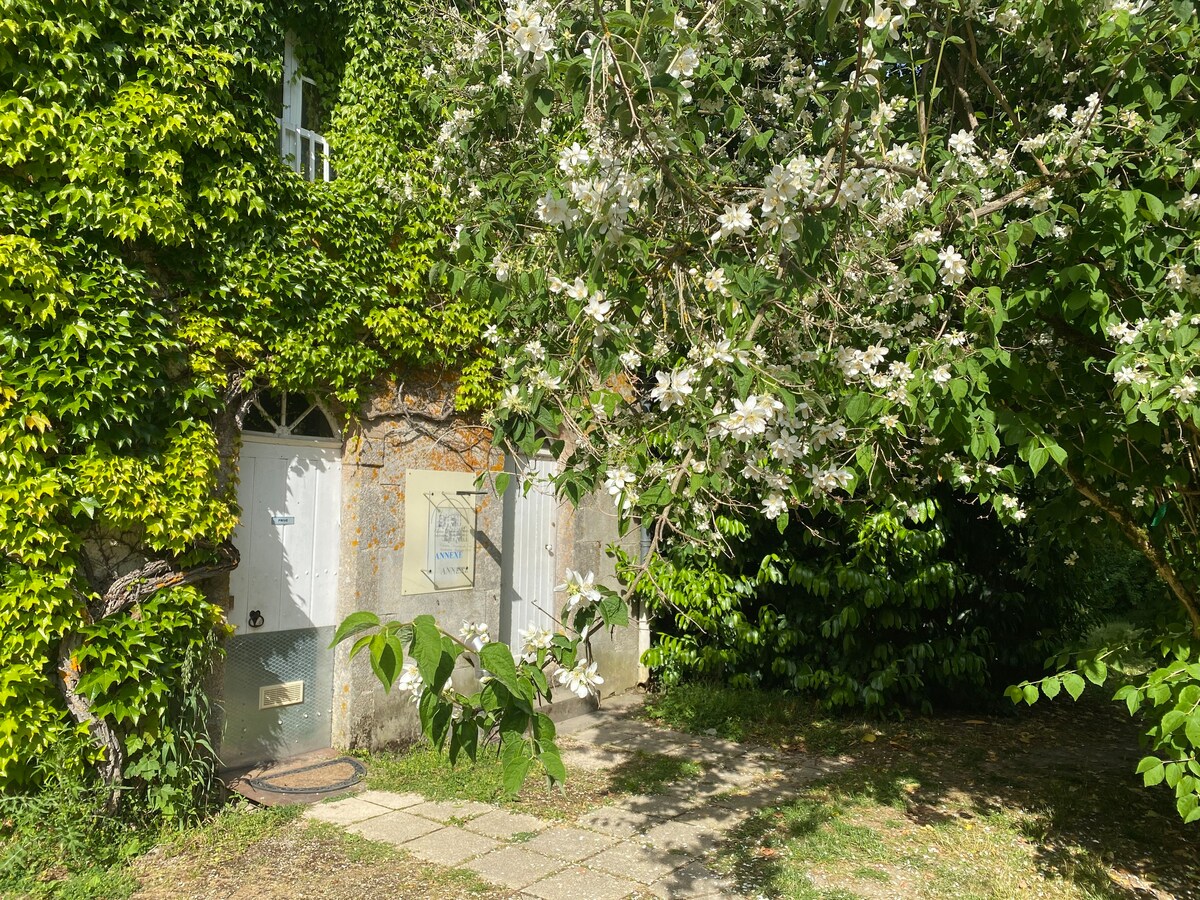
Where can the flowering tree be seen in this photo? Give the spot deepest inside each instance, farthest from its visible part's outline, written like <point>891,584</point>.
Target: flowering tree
<point>746,258</point>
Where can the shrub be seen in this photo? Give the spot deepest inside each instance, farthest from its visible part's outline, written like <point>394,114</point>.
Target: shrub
<point>874,609</point>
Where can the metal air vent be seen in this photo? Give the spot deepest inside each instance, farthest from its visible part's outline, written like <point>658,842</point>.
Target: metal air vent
<point>287,694</point>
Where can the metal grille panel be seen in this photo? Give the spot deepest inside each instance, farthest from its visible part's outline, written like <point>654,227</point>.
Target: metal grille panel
<point>257,661</point>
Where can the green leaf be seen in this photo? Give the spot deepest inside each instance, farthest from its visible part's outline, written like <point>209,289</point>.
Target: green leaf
<point>1073,684</point>
<point>1146,764</point>
<point>1038,457</point>
<point>1187,805</point>
<point>1154,207</point>
<point>1131,696</point>
<point>464,739</point>
<point>552,762</point>
<point>360,644</point>
<point>658,494</point>
<point>858,406</point>
<point>544,729</point>
<point>1051,687</point>
<point>426,648</point>
<point>516,769</point>
<point>1095,670</point>
<point>1192,730</point>
<point>613,611</point>
<point>498,660</point>
<point>387,657</point>
<point>354,624</point>
<point>1151,770</point>
<point>1171,721</point>
<point>1030,694</point>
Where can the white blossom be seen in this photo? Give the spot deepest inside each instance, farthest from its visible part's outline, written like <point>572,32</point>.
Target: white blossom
<point>534,639</point>
<point>597,308</point>
<point>410,681</point>
<point>684,64</point>
<point>474,635</point>
<point>735,220</point>
<point>555,210</point>
<point>715,282</point>
<point>750,417</point>
<point>618,480</point>
<point>1185,390</point>
<point>673,387</point>
<point>954,269</point>
<point>962,142</point>
<point>774,505</point>
<point>579,589</point>
<point>581,679</point>
<point>573,159</point>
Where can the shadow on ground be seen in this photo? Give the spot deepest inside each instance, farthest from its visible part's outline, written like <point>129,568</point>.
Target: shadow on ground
<point>1054,785</point>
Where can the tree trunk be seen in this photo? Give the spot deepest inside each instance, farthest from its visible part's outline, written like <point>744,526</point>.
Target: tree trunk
<point>122,593</point>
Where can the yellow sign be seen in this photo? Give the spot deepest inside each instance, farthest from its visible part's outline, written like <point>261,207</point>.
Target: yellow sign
<point>439,531</point>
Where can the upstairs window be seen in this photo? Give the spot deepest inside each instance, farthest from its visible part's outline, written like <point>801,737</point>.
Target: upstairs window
<point>300,141</point>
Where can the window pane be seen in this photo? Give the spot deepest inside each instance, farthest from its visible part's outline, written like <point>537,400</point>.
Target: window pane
<point>312,115</point>
<point>314,424</point>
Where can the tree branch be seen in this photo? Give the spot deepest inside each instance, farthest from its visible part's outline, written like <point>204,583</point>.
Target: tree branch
<point>1141,540</point>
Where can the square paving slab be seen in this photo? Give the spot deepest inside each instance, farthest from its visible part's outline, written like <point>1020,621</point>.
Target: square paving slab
<point>580,884</point>
<point>678,836</point>
<point>514,867</point>
<point>500,823</point>
<point>344,812</point>
<point>450,846</point>
<point>692,882</point>
<point>397,827</point>
<point>618,821</point>
<point>390,800</point>
<point>444,811</point>
<point>644,864</point>
<point>569,844</point>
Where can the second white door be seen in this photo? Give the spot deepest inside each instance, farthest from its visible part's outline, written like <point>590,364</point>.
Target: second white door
<point>529,546</point>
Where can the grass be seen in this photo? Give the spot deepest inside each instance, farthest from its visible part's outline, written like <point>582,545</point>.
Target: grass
<point>284,856</point>
<point>63,843</point>
<point>427,772</point>
<point>651,773</point>
<point>274,850</point>
<point>1042,803</point>
<point>849,839</point>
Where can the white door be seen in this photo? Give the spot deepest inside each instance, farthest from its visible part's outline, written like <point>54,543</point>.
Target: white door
<point>290,494</point>
<point>528,570</point>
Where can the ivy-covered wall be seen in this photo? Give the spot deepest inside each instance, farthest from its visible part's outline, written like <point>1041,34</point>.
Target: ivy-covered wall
<point>158,263</point>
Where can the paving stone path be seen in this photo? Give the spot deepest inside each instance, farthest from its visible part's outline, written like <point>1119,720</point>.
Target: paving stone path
<point>643,846</point>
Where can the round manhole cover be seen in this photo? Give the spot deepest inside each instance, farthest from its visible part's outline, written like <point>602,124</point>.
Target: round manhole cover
<point>318,778</point>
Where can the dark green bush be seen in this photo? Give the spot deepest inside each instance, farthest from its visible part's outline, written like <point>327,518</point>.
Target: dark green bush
<point>880,610</point>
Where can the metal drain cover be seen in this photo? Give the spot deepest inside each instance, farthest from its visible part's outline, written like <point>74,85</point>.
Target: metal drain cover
<point>318,778</point>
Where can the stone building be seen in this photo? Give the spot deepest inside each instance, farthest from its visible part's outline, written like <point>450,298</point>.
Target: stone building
<point>398,515</point>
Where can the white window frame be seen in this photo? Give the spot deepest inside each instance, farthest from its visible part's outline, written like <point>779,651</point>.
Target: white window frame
<point>293,139</point>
